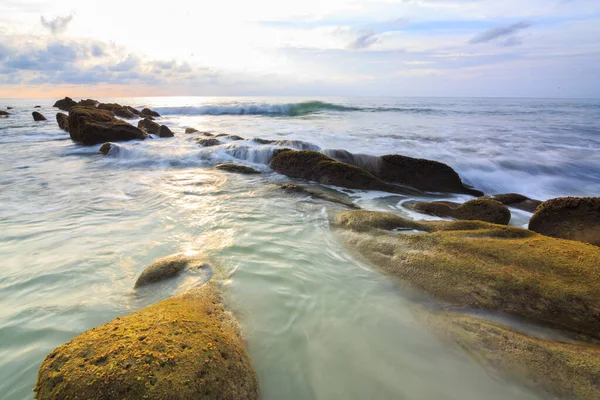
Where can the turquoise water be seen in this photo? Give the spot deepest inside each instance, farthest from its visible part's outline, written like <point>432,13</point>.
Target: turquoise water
<point>77,228</point>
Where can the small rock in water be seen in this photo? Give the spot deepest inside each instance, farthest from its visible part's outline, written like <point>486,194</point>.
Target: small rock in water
<point>9,108</point>
<point>149,126</point>
<point>517,201</point>
<point>208,142</point>
<point>191,130</point>
<point>37,107</point>
<point>165,132</point>
<point>4,113</point>
<point>318,194</point>
<point>38,117</point>
<point>146,112</point>
<point>239,168</point>
<point>105,148</point>
<point>63,121</point>
<point>168,267</point>
<point>483,209</point>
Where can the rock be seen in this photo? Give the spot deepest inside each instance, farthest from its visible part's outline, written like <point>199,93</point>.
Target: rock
<point>9,108</point>
<point>318,194</point>
<point>106,148</point>
<point>191,130</point>
<point>165,132</point>
<point>63,121</point>
<point>263,141</point>
<point>65,104</point>
<point>477,265</point>
<point>573,218</point>
<point>38,117</point>
<point>37,107</point>
<point>238,168</point>
<point>149,126</point>
<point>168,267</point>
<point>185,347</point>
<point>4,113</point>
<point>208,142</point>
<point>88,103</point>
<point>124,113</point>
<point>482,209</point>
<point>146,112</point>
<point>230,137</point>
<point>133,110</point>
<point>422,174</point>
<point>117,109</point>
<point>517,201</point>
<point>90,126</point>
<point>315,166</point>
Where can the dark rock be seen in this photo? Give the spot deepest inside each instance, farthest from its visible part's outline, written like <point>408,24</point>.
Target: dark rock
<point>146,112</point>
<point>165,132</point>
<point>194,130</point>
<point>65,104</point>
<point>208,142</point>
<point>105,148</point>
<point>117,109</point>
<point>90,126</point>
<point>63,121</point>
<point>37,107</point>
<point>263,141</point>
<point>88,102</point>
<point>133,110</point>
<point>186,347</point>
<point>168,267</point>
<point>483,209</point>
<point>318,194</point>
<point>4,113</point>
<point>239,168</point>
<point>517,201</point>
<point>9,108</point>
<point>38,117</point>
<point>315,166</point>
<point>149,126</point>
<point>573,218</point>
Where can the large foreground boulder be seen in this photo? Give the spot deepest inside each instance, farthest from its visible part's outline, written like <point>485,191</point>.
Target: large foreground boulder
<point>149,126</point>
<point>168,267</point>
<point>185,347</point>
<point>484,266</point>
<point>574,218</point>
<point>315,166</point>
<point>517,201</point>
<point>38,116</point>
<point>482,209</point>
<point>89,125</point>
<point>63,121</point>
<point>65,104</point>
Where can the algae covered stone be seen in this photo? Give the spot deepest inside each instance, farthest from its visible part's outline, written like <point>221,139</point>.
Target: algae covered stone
<point>517,201</point>
<point>168,267</point>
<point>318,194</point>
<point>90,126</point>
<point>487,210</point>
<point>237,168</point>
<point>63,121</point>
<point>185,347</point>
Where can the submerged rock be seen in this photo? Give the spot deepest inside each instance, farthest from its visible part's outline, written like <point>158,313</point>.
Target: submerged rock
<point>63,121</point>
<point>484,266</point>
<point>185,347</point>
<point>65,104</point>
<point>146,112</point>
<point>168,267</point>
<point>238,168</point>
<point>37,116</point>
<point>90,126</point>
<point>4,113</point>
<point>315,166</point>
<point>149,126</point>
<point>230,137</point>
<point>191,130</point>
<point>517,201</point>
<point>483,209</point>
<point>317,194</point>
<point>573,218</point>
<point>9,108</point>
<point>106,148</point>
<point>165,132</point>
<point>208,142</point>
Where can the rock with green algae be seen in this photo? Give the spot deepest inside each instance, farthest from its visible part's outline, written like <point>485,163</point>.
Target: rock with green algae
<point>185,347</point>
<point>554,369</point>
<point>168,267</point>
<point>237,168</point>
<point>516,200</point>
<point>90,125</point>
<point>317,194</point>
<point>485,266</point>
<point>573,218</point>
<point>483,209</point>
<point>315,166</point>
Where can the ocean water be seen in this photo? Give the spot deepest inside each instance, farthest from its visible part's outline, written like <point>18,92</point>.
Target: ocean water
<point>77,228</point>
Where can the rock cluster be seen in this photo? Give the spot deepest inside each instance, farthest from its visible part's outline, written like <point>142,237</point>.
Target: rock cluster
<point>89,126</point>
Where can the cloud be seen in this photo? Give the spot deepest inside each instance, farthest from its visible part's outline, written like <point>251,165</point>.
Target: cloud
<point>364,41</point>
<point>498,32</point>
<point>57,25</point>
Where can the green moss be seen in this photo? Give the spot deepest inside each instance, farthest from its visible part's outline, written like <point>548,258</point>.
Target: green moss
<point>185,347</point>
<point>493,267</point>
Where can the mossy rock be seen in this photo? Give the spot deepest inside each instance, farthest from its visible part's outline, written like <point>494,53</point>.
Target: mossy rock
<point>38,116</point>
<point>315,166</point>
<point>63,121</point>
<point>88,102</point>
<point>573,218</point>
<point>237,168</point>
<point>146,112</point>
<point>485,266</point>
<point>105,148</point>
<point>65,104</point>
<point>517,201</point>
<point>149,126</point>
<point>317,194</point>
<point>555,369</point>
<point>185,347</point>
<point>168,267</point>
<point>483,209</point>
<point>90,125</point>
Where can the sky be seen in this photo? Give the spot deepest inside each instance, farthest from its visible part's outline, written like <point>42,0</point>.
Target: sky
<point>483,48</point>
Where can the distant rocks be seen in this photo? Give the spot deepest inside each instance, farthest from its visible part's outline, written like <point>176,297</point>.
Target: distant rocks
<point>38,117</point>
<point>191,130</point>
<point>487,210</point>
<point>149,126</point>
<point>186,347</point>
<point>37,107</point>
<point>168,267</point>
<point>65,104</point>
<point>89,126</point>
<point>517,201</point>
<point>9,108</point>
<point>146,112</point>
<point>165,132</point>
<point>4,113</point>
<point>63,121</point>
<point>317,194</point>
<point>117,110</point>
<point>237,168</point>
<point>315,166</point>
<point>208,142</point>
<point>573,218</point>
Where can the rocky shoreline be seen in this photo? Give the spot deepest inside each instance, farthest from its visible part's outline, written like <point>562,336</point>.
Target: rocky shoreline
<point>188,346</point>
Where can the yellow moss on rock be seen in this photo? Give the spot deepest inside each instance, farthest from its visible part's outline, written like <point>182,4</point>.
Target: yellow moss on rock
<point>185,347</point>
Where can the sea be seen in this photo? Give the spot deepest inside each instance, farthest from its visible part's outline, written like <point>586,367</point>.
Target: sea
<point>78,227</point>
